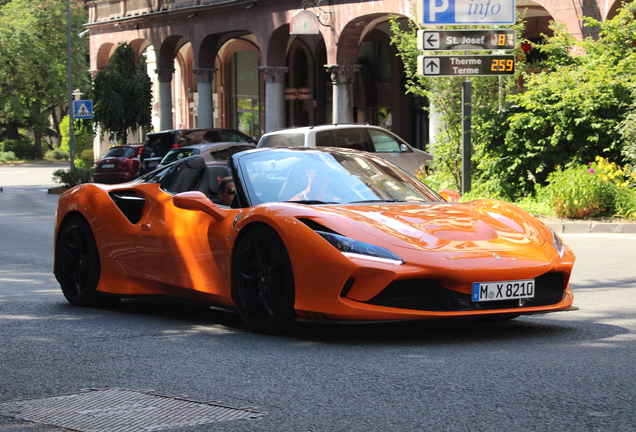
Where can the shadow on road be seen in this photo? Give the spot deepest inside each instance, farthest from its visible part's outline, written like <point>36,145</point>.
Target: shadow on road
<point>187,320</point>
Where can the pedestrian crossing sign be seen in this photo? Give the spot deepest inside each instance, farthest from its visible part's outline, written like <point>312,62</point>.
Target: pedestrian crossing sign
<point>83,109</point>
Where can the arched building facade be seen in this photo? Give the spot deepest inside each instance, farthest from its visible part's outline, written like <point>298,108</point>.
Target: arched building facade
<point>235,64</point>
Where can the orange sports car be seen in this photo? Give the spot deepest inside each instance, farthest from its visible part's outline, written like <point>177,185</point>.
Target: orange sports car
<point>313,233</point>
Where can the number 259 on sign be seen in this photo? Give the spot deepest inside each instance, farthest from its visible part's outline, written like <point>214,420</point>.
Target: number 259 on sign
<point>502,65</point>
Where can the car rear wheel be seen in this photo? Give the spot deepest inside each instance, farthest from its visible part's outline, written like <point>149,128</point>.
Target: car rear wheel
<point>78,268</point>
<point>263,281</point>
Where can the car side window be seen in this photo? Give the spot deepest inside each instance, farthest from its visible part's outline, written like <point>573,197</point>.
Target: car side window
<point>356,139</point>
<point>324,139</point>
<point>283,140</point>
<point>229,136</point>
<point>385,143</point>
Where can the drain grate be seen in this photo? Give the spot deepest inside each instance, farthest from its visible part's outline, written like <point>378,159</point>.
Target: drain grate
<point>121,410</point>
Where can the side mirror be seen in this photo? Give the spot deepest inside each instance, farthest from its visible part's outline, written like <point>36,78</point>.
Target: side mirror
<point>195,200</point>
<point>450,195</point>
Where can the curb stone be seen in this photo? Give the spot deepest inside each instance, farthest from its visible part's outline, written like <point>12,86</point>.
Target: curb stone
<point>592,227</point>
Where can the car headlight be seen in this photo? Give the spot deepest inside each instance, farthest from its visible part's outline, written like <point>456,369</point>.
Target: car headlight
<point>557,242</point>
<point>357,249</point>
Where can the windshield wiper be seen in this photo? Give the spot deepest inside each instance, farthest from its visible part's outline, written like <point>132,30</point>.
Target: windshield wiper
<point>310,202</point>
<point>381,200</point>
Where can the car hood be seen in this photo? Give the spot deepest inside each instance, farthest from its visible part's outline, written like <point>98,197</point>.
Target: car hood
<point>483,225</point>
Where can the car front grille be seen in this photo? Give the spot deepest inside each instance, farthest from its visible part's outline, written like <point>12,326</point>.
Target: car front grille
<point>430,295</point>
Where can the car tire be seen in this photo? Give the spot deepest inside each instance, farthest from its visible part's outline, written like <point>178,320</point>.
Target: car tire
<point>263,281</point>
<point>77,265</point>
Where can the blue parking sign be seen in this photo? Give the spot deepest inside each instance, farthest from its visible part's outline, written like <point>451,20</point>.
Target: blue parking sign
<point>83,109</point>
<point>466,12</point>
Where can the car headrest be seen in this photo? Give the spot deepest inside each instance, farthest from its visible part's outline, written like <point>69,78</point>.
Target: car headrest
<point>216,173</point>
<point>195,162</point>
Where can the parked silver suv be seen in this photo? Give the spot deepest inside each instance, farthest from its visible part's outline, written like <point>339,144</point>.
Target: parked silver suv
<point>369,138</point>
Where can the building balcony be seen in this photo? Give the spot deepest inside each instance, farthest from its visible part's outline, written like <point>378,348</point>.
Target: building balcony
<point>105,10</point>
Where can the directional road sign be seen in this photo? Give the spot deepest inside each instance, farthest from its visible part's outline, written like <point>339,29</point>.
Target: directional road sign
<point>465,40</point>
<point>474,12</point>
<point>83,109</point>
<point>466,65</point>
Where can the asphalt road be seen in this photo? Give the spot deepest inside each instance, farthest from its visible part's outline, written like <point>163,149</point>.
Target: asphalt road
<point>569,371</point>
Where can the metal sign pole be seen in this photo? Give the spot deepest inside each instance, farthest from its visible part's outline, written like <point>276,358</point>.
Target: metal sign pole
<point>71,142</point>
<point>466,134</point>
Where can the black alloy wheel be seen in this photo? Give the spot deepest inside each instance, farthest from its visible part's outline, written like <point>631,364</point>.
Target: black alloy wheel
<point>78,268</point>
<point>263,281</point>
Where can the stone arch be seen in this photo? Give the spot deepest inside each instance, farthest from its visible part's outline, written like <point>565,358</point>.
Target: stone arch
<point>103,55</point>
<point>169,49</point>
<point>570,16</point>
<point>301,63</point>
<point>209,48</point>
<point>226,54</point>
<point>277,46</point>
<point>139,46</point>
<point>353,33</point>
<point>612,10</point>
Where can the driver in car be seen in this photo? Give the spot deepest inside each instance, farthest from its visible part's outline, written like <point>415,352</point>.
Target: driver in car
<point>318,179</point>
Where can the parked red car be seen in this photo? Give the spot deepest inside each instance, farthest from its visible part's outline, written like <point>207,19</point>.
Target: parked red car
<point>120,164</point>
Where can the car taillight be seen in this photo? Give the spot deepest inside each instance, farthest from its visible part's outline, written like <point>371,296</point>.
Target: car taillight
<point>129,160</point>
<point>174,146</point>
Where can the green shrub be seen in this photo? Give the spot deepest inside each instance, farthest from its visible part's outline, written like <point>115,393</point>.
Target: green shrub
<point>70,178</point>
<point>625,203</point>
<point>23,149</point>
<point>7,157</point>
<point>57,154</point>
<point>579,193</point>
<point>82,135</point>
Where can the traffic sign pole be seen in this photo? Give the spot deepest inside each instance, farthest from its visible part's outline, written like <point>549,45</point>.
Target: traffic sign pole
<point>71,141</point>
<point>466,135</point>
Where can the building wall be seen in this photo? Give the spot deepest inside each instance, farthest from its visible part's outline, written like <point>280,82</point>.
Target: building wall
<point>198,40</point>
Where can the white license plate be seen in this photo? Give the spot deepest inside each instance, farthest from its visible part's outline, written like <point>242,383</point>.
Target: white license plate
<point>503,290</point>
<point>152,164</point>
<point>106,166</point>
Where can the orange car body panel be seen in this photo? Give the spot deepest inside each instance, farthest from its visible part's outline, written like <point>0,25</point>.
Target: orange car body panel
<point>188,253</point>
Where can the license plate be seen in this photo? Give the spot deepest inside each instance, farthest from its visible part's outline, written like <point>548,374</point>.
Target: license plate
<point>152,164</point>
<point>503,290</point>
<point>106,166</point>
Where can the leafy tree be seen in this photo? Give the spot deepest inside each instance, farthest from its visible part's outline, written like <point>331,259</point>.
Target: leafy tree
<point>445,94</point>
<point>572,112</point>
<point>122,94</point>
<point>33,66</point>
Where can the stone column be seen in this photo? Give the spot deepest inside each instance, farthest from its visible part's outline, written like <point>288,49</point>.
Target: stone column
<point>342,77</point>
<point>274,77</point>
<point>206,108</point>
<point>165,98</point>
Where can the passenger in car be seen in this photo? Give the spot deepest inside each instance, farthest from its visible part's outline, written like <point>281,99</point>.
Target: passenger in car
<point>227,191</point>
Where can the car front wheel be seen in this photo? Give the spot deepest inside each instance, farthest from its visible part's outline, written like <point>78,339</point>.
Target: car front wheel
<point>263,281</point>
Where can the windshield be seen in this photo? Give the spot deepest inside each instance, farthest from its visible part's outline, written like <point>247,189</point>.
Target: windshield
<point>177,154</point>
<point>119,152</point>
<point>318,177</point>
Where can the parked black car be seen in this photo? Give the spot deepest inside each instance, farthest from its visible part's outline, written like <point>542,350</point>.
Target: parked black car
<point>158,144</point>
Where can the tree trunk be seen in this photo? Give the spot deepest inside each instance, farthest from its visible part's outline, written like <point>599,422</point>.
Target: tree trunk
<point>12,130</point>
<point>38,144</point>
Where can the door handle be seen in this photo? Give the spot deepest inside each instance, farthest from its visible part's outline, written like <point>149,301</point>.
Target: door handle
<point>145,227</point>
